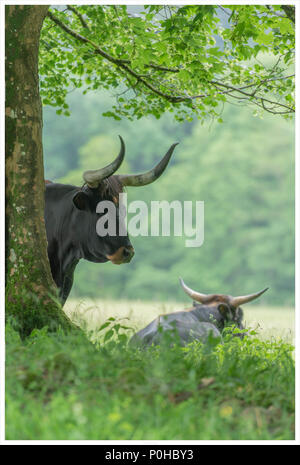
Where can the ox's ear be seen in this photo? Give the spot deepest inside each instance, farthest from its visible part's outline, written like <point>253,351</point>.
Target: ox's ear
<point>224,310</point>
<point>81,200</point>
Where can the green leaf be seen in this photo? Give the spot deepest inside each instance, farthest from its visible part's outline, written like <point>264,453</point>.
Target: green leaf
<point>108,335</point>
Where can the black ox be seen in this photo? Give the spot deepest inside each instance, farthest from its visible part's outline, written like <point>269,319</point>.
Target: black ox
<point>209,316</point>
<point>70,219</point>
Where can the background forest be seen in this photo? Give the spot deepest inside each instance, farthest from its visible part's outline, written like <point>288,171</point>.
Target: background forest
<point>242,168</point>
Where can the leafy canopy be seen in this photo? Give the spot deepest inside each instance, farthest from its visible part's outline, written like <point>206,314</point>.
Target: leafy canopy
<point>189,60</point>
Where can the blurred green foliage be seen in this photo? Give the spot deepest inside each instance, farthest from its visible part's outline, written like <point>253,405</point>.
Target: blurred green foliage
<point>243,169</point>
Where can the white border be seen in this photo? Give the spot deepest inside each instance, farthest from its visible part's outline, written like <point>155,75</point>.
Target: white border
<point>2,223</point>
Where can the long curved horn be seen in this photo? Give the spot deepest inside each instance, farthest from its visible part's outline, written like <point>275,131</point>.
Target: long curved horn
<point>243,299</point>
<point>202,298</point>
<point>149,176</point>
<point>207,298</point>
<point>94,177</point>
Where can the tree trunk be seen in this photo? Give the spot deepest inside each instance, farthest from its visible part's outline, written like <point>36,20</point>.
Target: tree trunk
<point>30,289</point>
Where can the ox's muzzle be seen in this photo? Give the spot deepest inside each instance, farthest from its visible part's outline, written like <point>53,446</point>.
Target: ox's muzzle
<point>122,255</point>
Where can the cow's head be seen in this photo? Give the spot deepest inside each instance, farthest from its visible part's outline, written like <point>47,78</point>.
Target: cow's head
<point>103,184</point>
<point>225,309</point>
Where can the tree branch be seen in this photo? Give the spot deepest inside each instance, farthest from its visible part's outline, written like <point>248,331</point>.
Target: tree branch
<point>289,11</point>
<point>118,62</point>
<point>142,78</point>
<point>252,96</point>
<point>77,36</point>
<point>81,19</point>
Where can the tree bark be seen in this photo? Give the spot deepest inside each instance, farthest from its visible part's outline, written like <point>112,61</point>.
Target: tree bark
<point>30,290</point>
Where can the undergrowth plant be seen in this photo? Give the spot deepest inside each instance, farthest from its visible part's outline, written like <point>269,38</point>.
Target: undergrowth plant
<point>61,386</point>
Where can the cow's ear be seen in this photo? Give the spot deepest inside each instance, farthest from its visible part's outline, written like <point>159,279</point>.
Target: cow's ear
<point>224,310</point>
<point>81,201</point>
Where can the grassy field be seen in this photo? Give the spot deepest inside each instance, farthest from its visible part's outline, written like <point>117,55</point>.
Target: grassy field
<point>60,386</point>
<point>269,322</point>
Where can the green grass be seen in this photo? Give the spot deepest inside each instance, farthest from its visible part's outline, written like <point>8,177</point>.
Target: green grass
<point>63,387</point>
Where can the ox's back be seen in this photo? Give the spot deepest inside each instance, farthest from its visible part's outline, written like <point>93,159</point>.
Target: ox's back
<point>186,326</point>
<point>59,207</point>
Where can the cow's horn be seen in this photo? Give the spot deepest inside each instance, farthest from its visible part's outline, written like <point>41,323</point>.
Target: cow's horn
<point>94,177</point>
<point>243,299</point>
<point>149,176</point>
<point>202,298</point>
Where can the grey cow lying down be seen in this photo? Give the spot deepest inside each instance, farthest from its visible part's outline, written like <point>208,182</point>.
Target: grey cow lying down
<point>210,314</point>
